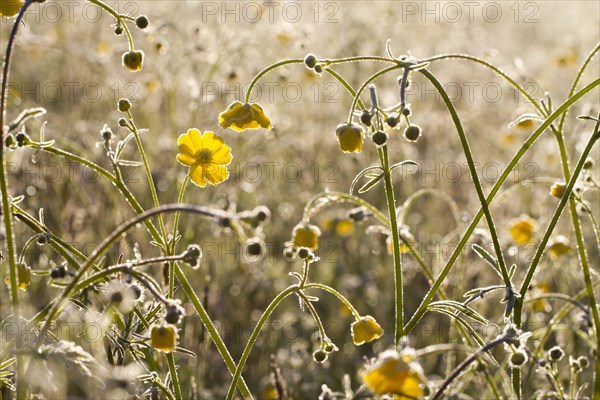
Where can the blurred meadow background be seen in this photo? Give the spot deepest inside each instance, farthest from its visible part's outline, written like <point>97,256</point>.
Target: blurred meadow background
<point>199,58</point>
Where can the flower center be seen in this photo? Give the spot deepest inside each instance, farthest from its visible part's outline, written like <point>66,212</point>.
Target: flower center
<point>204,156</point>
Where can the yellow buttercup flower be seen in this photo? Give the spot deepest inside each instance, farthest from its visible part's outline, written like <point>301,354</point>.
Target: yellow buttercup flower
<point>541,305</point>
<point>306,236</point>
<point>163,338</point>
<point>206,154</point>
<point>241,117</point>
<point>23,276</point>
<point>10,8</point>
<point>396,373</point>
<point>350,138</point>
<point>522,229</point>
<point>558,189</point>
<point>558,246</point>
<point>365,330</point>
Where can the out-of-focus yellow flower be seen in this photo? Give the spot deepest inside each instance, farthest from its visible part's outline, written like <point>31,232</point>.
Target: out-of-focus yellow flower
<point>103,47</point>
<point>365,330</point>
<point>344,228</point>
<point>558,189</point>
<point>23,276</point>
<point>163,338</point>
<point>206,154</point>
<point>558,246</point>
<point>522,229</point>
<point>540,305</point>
<point>306,235</point>
<point>567,57</point>
<point>10,8</point>
<point>241,117</point>
<point>269,392</point>
<point>350,137</point>
<point>396,373</point>
<point>525,124</point>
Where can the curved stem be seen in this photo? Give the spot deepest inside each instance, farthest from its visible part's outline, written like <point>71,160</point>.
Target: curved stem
<point>365,84</point>
<point>212,330</point>
<point>476,182</point>
<point>310,209</point>
<point>345,84</point>
<point>74,157</point>
<point>270,68</point>
<point>513,162</point>
<point>263,318</point>
<point>576,81</point>
<point>398,281</point>
<point>115,235</point>
<point>337,294</point>
<point>456,373</point>
<point>118,17</point>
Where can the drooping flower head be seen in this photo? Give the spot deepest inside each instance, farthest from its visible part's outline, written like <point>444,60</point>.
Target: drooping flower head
<point>350,137</point>
<point>163,338</point>
<point>241,117</point>
<point>207,156</point>
<point>306,235</point>
<point>365,330</point>
<point>396,373</point>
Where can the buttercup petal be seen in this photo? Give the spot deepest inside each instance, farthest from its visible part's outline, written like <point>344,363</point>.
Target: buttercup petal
<point>197,175</point>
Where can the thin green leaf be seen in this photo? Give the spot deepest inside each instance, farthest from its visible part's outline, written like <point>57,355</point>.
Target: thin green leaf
<point>370,184</point>
<point>361,174</point>
<point>491,260</point>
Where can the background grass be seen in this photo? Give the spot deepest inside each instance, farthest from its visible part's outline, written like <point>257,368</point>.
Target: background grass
<point>197,63</point>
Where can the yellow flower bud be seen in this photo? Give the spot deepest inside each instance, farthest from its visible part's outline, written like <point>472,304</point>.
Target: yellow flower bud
<point>133,60</point>
<point>350,138</point>
<point>306,236</point>
<point>558,189</point>
<point>163,338</point>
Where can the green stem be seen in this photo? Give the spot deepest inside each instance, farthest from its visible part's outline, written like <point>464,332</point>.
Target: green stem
<point>210,327</point>
<point>513,162</point>
<point>266,314</point>
<point>74,157</point>
<point>473,171</point>
<point>576,82</point>
<point>315,315</point>
<point>118,17</point>
<point>6,203</point>
<point>174,237</point>
<point>337,294</point>
<point>310,209</point>
<point>174,376</point>
<point>367,83</point>
<point>456,373</point>
<point>398,281</point>
<point>557,214</point>
<point>345,84</point>
<point>108,241</point>
<point>138,141</point>
<point>269,68</point>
